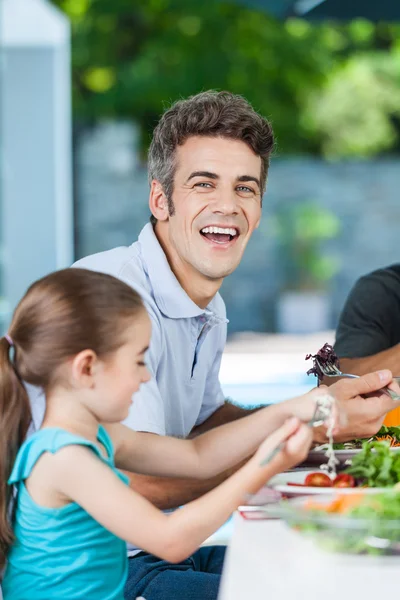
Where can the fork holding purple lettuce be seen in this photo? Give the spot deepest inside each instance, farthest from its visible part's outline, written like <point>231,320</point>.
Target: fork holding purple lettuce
<point>326,355</point>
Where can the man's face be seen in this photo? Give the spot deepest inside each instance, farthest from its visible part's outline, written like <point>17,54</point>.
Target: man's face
<point>217,202</point>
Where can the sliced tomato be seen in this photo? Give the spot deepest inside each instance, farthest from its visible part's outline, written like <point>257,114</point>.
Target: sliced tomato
<point>296,484</point>
<point>318,480</point>
<point>344,481</point>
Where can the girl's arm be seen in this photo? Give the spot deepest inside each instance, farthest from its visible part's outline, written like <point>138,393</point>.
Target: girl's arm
<point>83,478</point>
<point>226,446</point>
<point>210,453</point>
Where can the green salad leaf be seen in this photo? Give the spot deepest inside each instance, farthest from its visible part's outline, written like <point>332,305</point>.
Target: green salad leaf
<point>376,465</point>
<point>358,442</point>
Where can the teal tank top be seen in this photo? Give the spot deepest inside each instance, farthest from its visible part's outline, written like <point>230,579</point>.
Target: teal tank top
<point>61,553</point>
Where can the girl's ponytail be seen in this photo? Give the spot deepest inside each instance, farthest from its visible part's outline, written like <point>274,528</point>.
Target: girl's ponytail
<point>15,418</point>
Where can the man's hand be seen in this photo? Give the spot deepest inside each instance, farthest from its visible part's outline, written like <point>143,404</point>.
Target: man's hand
<point>363,403</point>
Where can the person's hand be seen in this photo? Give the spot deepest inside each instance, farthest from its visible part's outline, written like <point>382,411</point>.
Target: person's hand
<point>363,403</point>
<point>303,407</point>
<point>297,438</point>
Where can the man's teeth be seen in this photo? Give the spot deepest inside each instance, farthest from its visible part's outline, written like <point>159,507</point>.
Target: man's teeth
<point>226,231</point>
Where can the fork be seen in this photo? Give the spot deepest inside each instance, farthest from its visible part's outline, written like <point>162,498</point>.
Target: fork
<point>318,418</point>
<point>331,370</point>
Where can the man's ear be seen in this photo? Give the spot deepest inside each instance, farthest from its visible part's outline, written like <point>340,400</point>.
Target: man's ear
<point>158,202</point>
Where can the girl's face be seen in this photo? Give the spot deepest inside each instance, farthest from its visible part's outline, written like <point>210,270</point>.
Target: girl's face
<point>117,378</point>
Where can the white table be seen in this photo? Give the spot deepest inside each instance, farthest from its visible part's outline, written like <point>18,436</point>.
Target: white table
<point>268,561</point>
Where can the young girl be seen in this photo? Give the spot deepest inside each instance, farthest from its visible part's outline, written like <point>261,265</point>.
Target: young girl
<point>82,336</point>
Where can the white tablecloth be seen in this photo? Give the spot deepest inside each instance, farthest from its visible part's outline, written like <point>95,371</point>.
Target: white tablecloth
<point>268,561</point>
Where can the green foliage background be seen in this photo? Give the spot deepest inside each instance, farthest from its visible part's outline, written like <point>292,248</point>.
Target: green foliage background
<point>329,89</point>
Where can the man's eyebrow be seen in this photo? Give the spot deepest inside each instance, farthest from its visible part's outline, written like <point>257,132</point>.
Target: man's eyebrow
<point>207,174</point>
<point>244,178</point>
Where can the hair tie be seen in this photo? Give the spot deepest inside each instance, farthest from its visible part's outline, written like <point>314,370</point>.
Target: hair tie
<point>9,339</point>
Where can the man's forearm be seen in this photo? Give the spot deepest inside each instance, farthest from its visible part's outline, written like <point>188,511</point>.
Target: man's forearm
<point>172,492</point>
<point>169,492</point>
<point>388,359</point>
<point>227,413</point>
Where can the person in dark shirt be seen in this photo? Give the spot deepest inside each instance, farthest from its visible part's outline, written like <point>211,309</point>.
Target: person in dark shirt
<point>368,333</point>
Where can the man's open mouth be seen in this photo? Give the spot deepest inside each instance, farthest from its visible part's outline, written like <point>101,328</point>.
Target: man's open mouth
<point>220,235</point>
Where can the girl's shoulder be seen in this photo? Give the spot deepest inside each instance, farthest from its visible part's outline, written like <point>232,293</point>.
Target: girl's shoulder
<point>52,439</point>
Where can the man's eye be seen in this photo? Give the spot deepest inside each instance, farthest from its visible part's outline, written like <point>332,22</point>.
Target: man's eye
<point>244,188</point>
<point>203,184</point>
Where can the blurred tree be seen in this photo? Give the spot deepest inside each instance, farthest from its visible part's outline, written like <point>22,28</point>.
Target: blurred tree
<point>358,111</point>
<point>302,229</point>
<point>132,57</point>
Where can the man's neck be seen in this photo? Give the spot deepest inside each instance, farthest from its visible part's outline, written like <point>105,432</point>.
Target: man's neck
<point>199,289</point>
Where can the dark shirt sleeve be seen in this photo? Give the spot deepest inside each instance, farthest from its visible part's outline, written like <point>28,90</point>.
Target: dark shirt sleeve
<point>370,320</point>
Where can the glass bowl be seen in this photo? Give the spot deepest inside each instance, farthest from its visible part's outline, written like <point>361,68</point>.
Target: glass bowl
<point>370,527</point>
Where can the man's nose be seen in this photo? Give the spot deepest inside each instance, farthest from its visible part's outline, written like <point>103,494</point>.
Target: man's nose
<point>225,203</point>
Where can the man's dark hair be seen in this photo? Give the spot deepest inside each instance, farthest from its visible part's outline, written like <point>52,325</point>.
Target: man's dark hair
<point>212,114</point>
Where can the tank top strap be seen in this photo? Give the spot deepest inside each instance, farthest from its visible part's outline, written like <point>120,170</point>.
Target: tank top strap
<point>52,440</point>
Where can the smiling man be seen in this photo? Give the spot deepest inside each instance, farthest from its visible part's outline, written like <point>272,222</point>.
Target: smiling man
<point>208,164</point>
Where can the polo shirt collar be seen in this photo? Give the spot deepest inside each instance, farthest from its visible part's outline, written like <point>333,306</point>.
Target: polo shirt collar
<point>170,297</point>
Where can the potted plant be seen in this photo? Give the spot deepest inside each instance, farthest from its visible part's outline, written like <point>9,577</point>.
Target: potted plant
<point>302,229</point>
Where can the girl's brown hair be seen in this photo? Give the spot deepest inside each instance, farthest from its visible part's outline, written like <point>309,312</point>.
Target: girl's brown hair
<point>59,316</point>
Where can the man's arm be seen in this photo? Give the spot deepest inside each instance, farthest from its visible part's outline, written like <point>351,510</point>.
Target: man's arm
<point>226,413</point>
<point>171,492</point>
<point>387,359</point>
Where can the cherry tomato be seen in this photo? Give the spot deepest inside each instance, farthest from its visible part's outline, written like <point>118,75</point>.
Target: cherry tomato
<point>344,481</point>
<point>318,480</point>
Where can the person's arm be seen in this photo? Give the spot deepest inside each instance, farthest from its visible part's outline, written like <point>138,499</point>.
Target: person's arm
<point>226,413</point>
<point>210,453</point>
<point>171,492</point>
<point>387,359</point>
<point>224,447</point>
<point>80,476</point>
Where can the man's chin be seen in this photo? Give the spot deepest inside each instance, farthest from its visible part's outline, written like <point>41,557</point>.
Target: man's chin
<point>214,274</point>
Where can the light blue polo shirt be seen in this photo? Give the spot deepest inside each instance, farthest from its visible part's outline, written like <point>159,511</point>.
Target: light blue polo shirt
<point>186,345</point>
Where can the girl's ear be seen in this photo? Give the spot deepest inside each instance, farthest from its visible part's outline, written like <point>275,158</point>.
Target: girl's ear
<point>83,368</point>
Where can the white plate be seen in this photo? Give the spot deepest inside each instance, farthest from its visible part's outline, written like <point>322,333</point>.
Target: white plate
<point>280,484</point>
<point>318,457</point>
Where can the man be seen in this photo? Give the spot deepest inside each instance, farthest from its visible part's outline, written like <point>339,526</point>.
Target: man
<point>368,333</point>
<point>208,165</point>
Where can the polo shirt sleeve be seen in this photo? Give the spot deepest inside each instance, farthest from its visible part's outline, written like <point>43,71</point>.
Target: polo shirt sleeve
<point>214,397</point>
<point>147,411</point>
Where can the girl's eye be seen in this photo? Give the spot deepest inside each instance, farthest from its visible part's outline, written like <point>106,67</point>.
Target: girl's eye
<point>141,364</point>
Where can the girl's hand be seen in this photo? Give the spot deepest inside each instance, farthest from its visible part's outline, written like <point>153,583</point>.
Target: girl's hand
<point>297,438</point>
